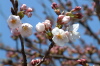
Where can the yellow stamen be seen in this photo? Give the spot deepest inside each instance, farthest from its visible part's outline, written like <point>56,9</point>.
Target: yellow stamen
<point>59,36</point>
<point>25,27</point>
<point>13,21</point>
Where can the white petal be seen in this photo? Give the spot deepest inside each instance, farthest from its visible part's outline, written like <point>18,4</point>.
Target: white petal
<point>71,37</point>
<point>27,32</point>
<point>74,27</point>
<point>55,31</point>
<point>76,35</point>
<point>58,41</point>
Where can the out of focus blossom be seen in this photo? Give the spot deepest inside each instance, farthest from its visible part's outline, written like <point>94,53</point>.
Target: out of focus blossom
<point>54,5</point>
<point>23,7</point>
<point>14,21</point>
<point>40,27</point>
<point>29,9</point>
<point>73,34</point>
<point>29,14</point>
<point>47,23</point>
<point>15,32</point>
<point>59,36</point>
<point>25,29</point>
<point>34,62</point>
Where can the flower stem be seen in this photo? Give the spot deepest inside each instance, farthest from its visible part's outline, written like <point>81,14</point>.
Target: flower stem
<point>22,50</point>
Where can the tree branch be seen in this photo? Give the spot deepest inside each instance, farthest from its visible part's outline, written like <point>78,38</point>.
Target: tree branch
<point>22,50</point>
<point>47,53</point>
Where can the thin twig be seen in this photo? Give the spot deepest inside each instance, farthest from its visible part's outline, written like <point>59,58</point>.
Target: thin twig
<point>22,50</point>
<point>47,53</point>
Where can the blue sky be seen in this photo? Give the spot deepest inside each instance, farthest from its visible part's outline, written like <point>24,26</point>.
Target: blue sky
<point>5,6</point>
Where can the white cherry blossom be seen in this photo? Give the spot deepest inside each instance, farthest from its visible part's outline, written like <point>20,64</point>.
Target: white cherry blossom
<point>25,29</point>
<point>40,27</point>
<point>73,34</point>
<point>14,21</point>
<point>59,36</point>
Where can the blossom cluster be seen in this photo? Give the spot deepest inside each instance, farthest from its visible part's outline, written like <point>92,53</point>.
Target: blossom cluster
<point>19,28</point>
<point>57,34</point>
<point>60,37</point>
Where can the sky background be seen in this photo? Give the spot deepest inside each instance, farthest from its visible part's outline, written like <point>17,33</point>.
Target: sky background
<point>5,6</point>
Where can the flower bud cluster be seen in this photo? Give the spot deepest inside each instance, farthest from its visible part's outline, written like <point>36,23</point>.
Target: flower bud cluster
<point>26,10</point>
<point>90,49</point>
<point>41,38</point>
<point>34,62</point>
<point>55,7</point>
<point>57,50</point>
<point>82,61</point>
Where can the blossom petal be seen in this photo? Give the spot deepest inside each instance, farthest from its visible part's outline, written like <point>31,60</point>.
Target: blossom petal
<point>74,27</point>
<point>58,41</point>
<point>55,31</point>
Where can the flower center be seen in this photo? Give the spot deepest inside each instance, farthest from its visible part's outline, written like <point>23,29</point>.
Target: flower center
<point>13,21</point>
<point>25,28</point>
<point>59,36</point>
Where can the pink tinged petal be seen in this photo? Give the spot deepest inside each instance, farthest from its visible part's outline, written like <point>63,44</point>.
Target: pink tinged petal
<point>66,19</point>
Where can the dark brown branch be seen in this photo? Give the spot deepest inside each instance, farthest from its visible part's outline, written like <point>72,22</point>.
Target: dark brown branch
<point>47,53</point>
<point>22,50</point>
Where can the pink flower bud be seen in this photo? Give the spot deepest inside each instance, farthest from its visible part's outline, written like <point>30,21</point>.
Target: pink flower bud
<point>54,5</point>
<point>23,7</point>
<point>59,19</point>
<point>29,9</point>
<point>15,32</point>
<point>66,19</point>
<point>29,14</point>
<point>77,8</point>
<point>82,61</point>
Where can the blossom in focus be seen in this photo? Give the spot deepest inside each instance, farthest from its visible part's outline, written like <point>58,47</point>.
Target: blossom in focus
<point>40,27</point>
<point>47,23</point>
<point>59,36</point>
<point>14,21</point>
<point>73,34</point>
<point>66,19</point>
<point>25,29</point>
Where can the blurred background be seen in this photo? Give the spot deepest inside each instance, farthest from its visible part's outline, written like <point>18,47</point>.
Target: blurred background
<point>89,25</point>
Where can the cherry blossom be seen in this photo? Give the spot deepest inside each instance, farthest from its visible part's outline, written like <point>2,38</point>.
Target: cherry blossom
<point>14,21</point>
<point>59,36</point>
<point>25,29</point>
